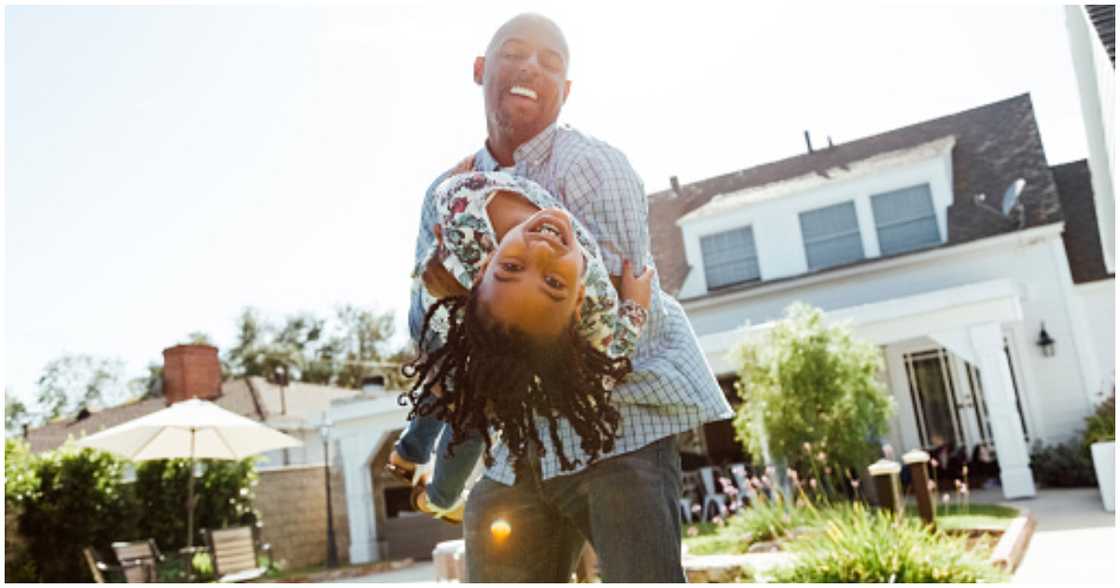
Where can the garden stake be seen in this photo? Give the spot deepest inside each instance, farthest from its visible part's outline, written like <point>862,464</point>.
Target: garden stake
<point>887,487</point>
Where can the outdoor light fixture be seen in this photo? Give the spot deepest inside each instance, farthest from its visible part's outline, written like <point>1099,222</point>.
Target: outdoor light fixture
<point>332,547</point>
<point>1046,342</point>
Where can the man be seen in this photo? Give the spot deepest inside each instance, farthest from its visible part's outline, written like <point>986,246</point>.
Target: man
<point>625,504</point>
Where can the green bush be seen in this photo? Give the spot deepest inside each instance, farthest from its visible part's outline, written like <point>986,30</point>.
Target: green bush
<point>855,545</point>
<point>20,485</point>
<point>1101,425</point>
<point>1065,465</point>
<point>223,493</point>
<point>809,383</point>
<point>77,499</point>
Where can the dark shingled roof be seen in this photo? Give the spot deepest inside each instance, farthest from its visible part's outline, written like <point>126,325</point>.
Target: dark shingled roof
<point>1103,17</point>
<point>1082,237</point>
<point>995,144</point>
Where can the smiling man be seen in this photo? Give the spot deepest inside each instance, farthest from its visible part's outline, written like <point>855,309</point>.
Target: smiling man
<point>624,504</point>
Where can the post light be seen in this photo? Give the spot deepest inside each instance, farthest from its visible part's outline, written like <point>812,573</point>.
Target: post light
<point>1046,342</point>
<point>918,462</point>
<point>887,487</point>
<point>332,547</point>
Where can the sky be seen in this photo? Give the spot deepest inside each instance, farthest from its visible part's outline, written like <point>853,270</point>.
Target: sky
<point>167,166</point>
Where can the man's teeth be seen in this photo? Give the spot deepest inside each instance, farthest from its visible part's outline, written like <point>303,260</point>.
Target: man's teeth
<point>523,91</point>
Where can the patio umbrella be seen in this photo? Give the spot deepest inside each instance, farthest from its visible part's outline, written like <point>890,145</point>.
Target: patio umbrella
<point>192,429</point>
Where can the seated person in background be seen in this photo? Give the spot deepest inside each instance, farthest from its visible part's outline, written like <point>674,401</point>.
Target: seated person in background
<point>530,327</point>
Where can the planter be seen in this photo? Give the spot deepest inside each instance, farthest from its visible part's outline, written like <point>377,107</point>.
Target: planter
<point>1104,462</point>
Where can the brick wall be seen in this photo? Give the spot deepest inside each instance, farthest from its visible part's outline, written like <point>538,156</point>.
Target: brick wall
<point>292,504</point>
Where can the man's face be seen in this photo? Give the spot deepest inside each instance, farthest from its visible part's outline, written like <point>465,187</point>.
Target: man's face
<point>524,78</point>
<point>533,280</point>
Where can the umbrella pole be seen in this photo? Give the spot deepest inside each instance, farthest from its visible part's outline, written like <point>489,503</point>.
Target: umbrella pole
<point>190,496</point>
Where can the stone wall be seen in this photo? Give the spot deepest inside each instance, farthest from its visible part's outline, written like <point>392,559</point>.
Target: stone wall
<point>292,504</point>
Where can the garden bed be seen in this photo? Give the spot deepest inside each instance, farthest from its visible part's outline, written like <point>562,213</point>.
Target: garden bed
<point>845,542</point>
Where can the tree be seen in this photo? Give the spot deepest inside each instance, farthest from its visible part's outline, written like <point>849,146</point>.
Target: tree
<point>810,383</point>
<point>339,351</point>
<point>71,383</point>
<point>16,414</point>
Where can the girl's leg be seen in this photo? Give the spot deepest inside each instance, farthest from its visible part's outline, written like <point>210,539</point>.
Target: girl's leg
<point>452,471</point>
<point>418,439</point>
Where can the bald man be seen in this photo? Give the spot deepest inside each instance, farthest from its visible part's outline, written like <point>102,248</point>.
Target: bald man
<point>626,503</point>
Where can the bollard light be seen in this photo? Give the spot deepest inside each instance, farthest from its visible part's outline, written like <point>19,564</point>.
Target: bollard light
<point>918,462</point>
<point>887,488</point>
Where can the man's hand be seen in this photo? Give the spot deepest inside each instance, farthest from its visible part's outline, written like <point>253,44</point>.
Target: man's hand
<point>637,289</point>
<point>439,282</point>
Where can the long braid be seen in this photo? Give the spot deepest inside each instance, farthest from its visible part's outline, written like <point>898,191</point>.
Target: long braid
<point>495,377</point>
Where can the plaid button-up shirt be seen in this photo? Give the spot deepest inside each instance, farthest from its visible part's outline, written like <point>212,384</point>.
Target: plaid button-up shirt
<point>672,388</point>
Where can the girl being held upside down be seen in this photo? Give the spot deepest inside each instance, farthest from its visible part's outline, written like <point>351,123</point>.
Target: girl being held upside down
<point>523,326</point>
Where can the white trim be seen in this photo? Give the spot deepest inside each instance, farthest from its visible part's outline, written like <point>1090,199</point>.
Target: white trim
<point>1050,231</point>
<point>1092,287</point>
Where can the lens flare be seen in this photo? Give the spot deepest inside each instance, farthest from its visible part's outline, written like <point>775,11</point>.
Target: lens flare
<point>500,529</point>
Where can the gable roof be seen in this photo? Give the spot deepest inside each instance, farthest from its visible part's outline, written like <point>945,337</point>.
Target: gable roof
<point>1082,236</point>
<point>253,398</point>
<point>995,144</point>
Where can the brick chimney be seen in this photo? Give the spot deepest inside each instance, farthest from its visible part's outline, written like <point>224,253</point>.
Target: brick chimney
<point>191,371</point>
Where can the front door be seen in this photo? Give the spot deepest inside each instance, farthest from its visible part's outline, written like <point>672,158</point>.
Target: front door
<point>948,398</point>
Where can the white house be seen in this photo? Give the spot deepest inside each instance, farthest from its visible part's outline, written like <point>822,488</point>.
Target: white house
<point>952,243</point>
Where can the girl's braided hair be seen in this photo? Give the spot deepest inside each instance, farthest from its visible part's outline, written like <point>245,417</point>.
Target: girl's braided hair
<point>495,376</point>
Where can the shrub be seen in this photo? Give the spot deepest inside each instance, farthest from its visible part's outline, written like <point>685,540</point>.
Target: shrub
<point>855,545</point>
<point>1101,425</point>
<point>20,485</point>
<point>808,383</point>
<point>1065,465</point>
<point>78,499</point>
<point>223,494</point>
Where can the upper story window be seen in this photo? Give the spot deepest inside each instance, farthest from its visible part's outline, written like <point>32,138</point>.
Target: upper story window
<point>905,219</point>
<point>831,235</point>
<point>730,257</point>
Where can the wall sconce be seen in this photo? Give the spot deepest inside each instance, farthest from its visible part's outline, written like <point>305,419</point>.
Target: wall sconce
<point>1045,342</point>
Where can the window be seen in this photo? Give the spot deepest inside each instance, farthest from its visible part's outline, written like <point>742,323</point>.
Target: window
<point>729,257</point>
<point>905,219</point>
<point>831,235</point>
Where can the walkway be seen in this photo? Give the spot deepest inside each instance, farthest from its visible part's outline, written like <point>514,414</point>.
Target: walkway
<point>1075,541</point>
<point>419,572</point>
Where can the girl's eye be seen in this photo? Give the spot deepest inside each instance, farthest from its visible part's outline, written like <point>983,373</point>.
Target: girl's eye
<point>510,266</point>
<point>554,283</point>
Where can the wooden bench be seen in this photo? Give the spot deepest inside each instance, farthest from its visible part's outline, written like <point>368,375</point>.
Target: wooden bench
<point>234,552</point>
<point>138,560</point>
<point>98,569</point>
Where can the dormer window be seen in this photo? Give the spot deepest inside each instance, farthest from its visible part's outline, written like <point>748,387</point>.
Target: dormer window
<point>831,235</point>
<point>905,219</point>
<point>730,257</point>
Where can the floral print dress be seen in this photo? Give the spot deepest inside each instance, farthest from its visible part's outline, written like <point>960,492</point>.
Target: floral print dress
<point>610,324</point>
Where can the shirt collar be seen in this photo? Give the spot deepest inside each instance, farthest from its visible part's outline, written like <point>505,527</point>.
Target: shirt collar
<point>533,152</point>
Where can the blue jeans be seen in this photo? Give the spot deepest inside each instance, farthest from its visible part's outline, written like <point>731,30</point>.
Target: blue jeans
<point>451,470</point>
<point>626,506</point>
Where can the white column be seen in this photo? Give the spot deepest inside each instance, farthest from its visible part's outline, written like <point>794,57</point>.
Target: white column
<point>359,504</point>
<point>999,392</point>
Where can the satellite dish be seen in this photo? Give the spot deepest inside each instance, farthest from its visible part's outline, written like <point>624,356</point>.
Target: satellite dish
<point>1011,196</point>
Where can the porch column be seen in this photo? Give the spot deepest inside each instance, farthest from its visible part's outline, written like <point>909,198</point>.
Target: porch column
<point>359,504</point>
<point>999,393</point>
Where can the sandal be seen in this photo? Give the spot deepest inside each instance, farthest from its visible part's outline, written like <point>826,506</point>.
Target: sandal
<point>453,515</point>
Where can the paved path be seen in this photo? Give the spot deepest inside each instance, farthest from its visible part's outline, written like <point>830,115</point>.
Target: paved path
<point>1075,541</point>
<point>422,571</point>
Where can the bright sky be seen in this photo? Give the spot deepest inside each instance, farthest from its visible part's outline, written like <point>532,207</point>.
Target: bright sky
<point>167,166</point>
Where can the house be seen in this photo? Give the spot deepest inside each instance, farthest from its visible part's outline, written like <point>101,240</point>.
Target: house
<point>194,371</point>
<point>953,244</point>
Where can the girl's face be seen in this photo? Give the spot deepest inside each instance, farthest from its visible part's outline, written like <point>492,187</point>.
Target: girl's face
<point>533,280</point>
